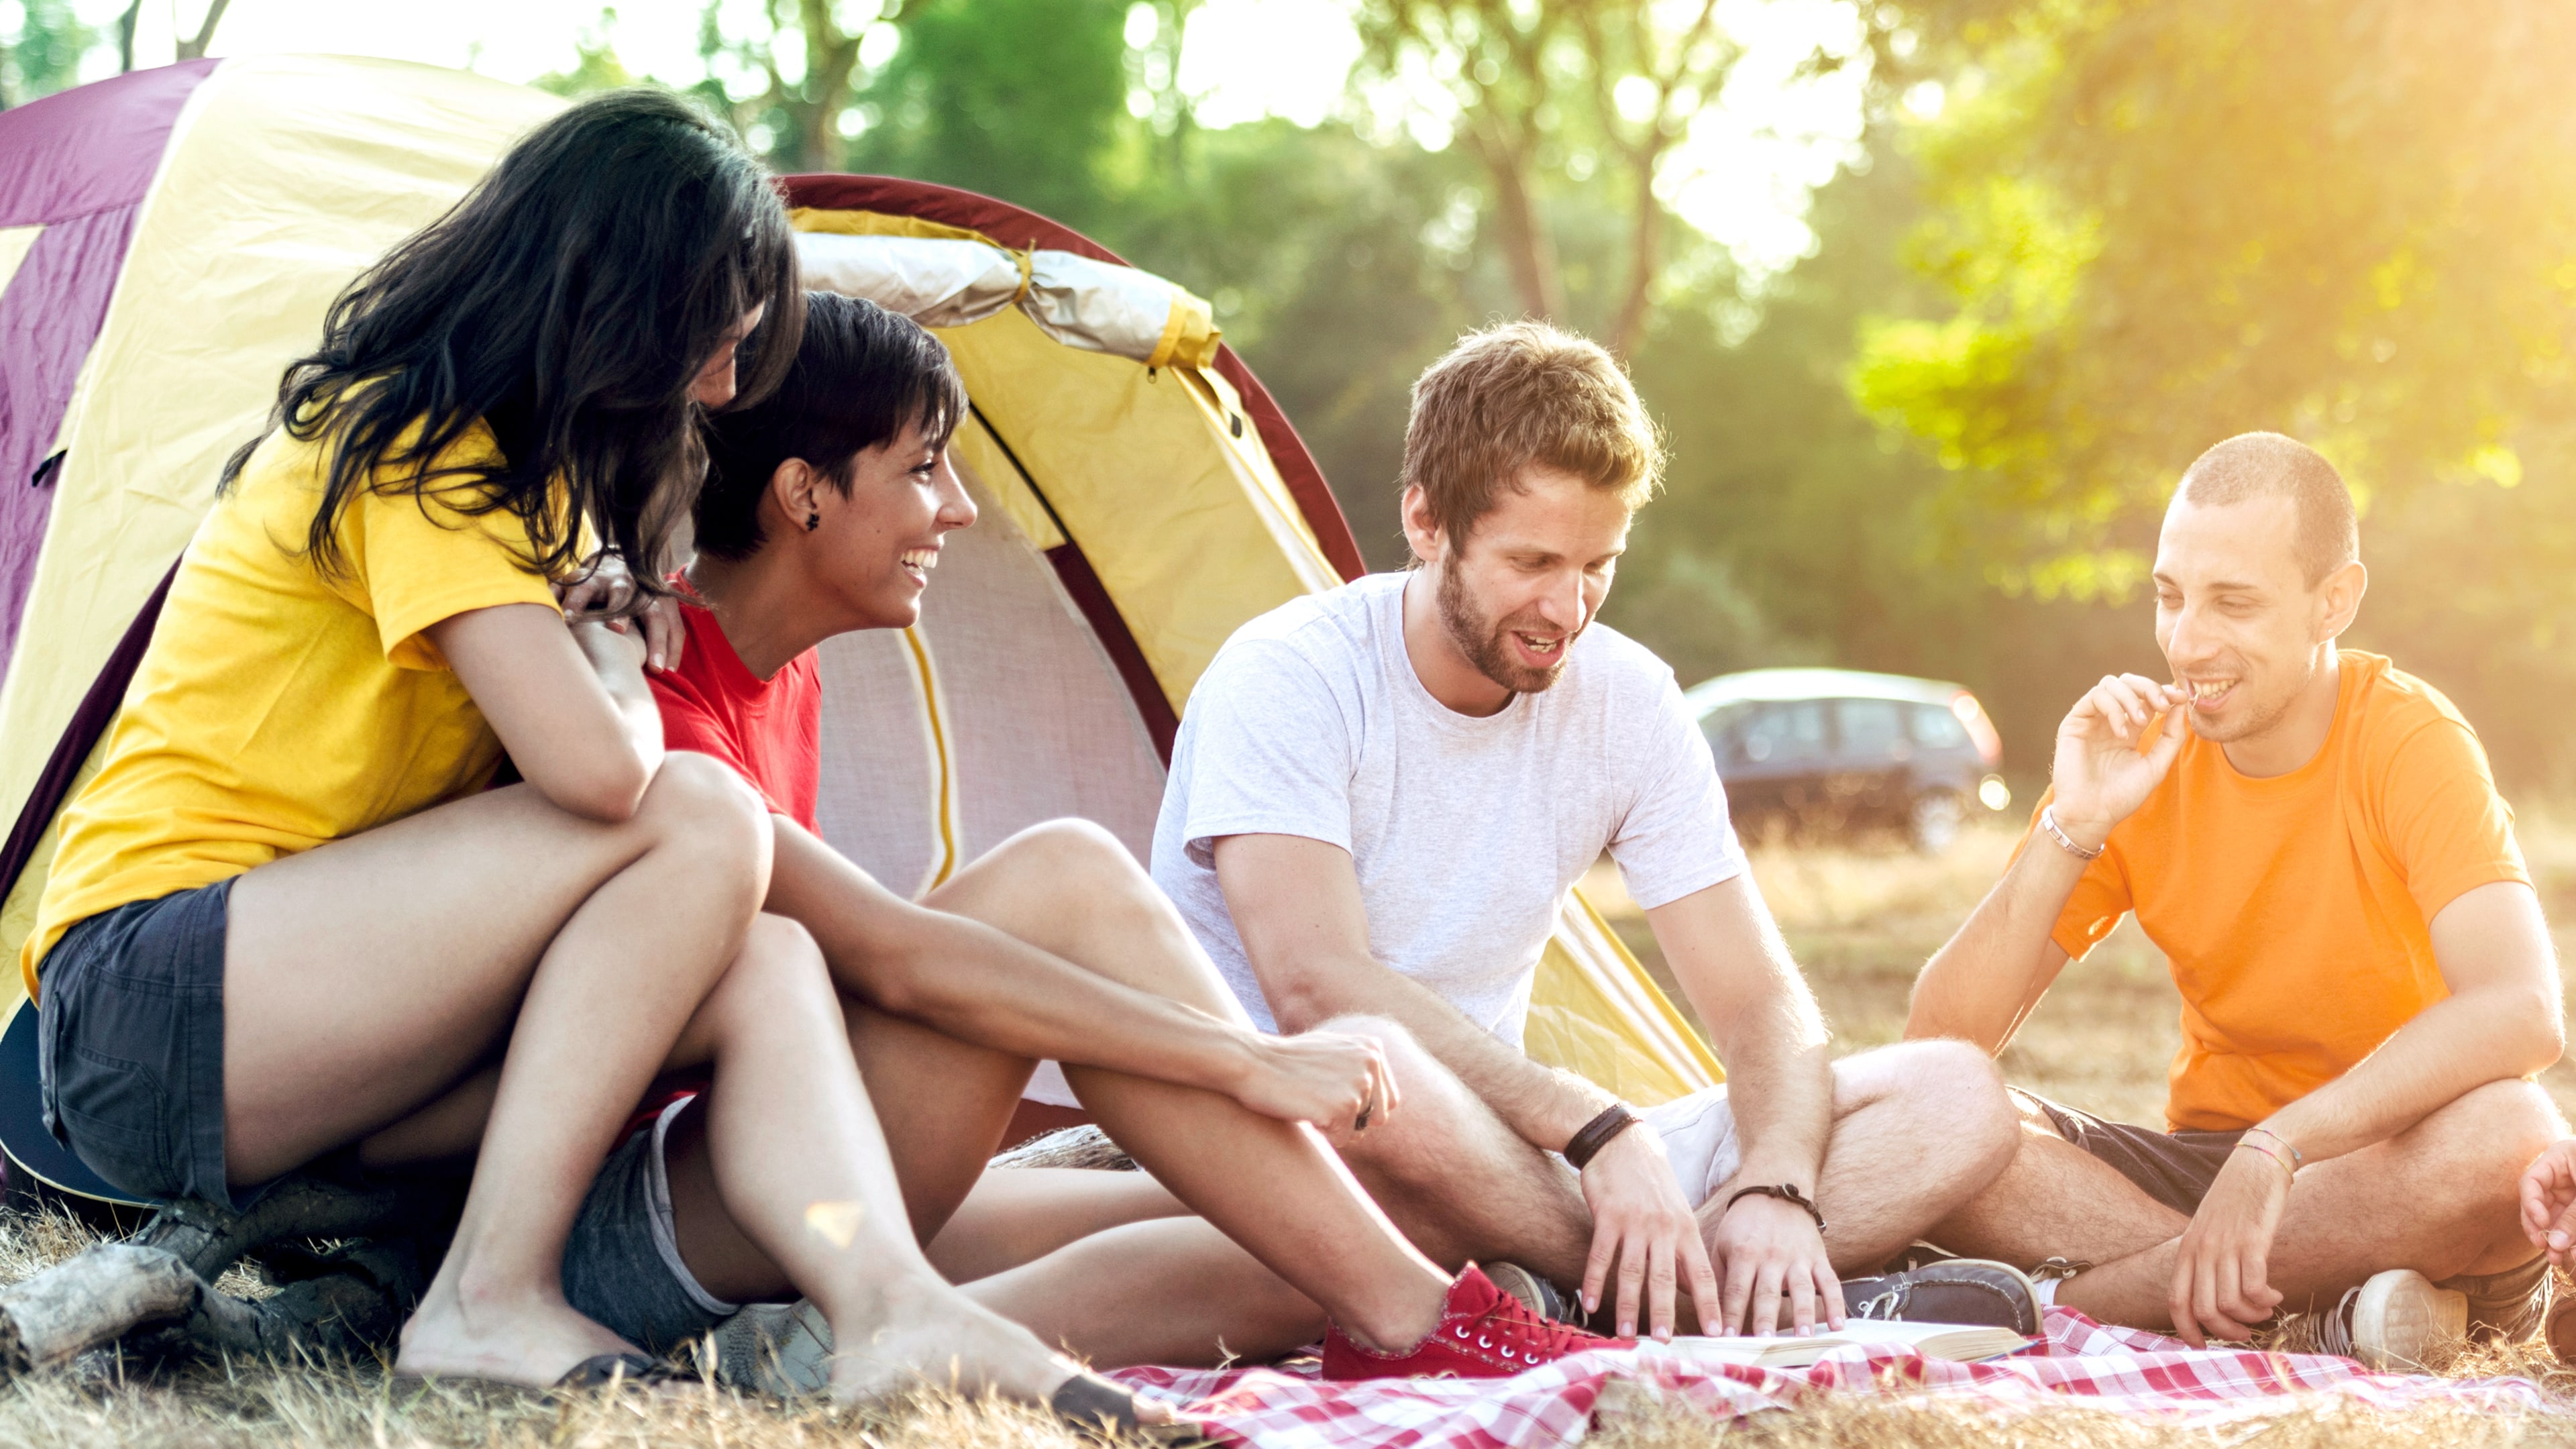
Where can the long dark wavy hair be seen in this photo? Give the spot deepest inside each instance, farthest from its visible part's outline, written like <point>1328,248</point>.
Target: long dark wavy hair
<point>568,301</point>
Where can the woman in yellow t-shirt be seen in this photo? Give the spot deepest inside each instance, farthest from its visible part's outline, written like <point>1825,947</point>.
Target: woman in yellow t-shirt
<point>288,917</point>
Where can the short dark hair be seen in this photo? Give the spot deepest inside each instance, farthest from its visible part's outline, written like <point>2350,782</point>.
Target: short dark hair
<point>1517,394</point>
<point>861,375</point>
<point>2268,465</point>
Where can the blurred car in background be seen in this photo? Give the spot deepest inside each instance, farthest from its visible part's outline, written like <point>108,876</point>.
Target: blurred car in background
<point>1838,749</point>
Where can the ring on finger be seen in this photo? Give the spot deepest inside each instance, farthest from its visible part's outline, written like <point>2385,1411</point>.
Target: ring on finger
<point>1368,1104</point>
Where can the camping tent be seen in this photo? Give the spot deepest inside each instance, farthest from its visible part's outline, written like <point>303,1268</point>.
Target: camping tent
<point>169,240</point>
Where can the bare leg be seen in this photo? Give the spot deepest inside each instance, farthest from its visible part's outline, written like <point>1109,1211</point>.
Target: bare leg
<point>1917,1128</point>
<point>802,1170</point>
<point>2438,1198</point>
<point>1071,889</point>
<point>2057,1200</point>
<point>1022,1214</point>
<point>365,977</point>
<point>1460,1183</point>
<point>1175,1291</point>
<point>1275,1187</point>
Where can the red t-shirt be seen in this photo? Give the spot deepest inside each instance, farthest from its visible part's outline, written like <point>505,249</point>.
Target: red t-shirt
<point>770,731</point>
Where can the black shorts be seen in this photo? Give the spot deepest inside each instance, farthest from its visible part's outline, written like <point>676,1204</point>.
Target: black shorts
<point>130,1044</point>
<point>2174,1168</point>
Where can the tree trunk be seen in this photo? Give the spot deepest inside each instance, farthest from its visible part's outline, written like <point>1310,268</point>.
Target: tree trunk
<point>1645,249</point>
<point>1528,250</point>
<point>194,47</point>
<point>125,36</point>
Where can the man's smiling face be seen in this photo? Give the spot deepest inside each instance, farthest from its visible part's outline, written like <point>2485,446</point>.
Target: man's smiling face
<point>1531,575</point>
<point>2241,626</point>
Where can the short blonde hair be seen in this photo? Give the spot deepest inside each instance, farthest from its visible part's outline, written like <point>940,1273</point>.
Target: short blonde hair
<point>1518,394</point>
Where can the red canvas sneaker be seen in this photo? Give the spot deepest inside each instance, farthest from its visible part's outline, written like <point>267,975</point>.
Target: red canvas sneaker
<point>1484,1333</point>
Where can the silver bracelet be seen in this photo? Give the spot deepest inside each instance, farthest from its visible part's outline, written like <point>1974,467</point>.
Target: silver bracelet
<point>2048,822</point>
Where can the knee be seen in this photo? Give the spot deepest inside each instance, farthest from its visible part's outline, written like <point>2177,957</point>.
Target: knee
<point>1433,1101</point>
<point>779,971</point>
<point>698,803</point>
<point>1957,1090</point>
<point>1079,855</point>
<point>2498,1129</point>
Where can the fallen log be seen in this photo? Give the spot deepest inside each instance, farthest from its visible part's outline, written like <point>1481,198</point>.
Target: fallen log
<point>92,1298</point>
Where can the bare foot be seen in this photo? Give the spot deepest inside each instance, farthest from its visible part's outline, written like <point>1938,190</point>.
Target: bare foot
<point>927,1332</point>
<point>532,1340</point>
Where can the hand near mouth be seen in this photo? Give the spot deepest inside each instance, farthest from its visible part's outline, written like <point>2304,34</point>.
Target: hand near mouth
<point>2113,750</point>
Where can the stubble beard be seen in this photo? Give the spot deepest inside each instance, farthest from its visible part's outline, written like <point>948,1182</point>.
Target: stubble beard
<point>1481,640</point>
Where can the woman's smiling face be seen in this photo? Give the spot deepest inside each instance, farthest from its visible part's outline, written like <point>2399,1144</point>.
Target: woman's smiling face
<point>876,546</point>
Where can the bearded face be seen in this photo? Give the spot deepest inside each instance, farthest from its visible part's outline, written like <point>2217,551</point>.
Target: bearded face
<point>1505,651</point>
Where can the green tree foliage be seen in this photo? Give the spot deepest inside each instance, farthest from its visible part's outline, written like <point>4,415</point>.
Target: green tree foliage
<point>2153,225</point>
<point>2162,223</point>
<point>974,98</point>
<point>43,54</point>
<point>1546,95</point>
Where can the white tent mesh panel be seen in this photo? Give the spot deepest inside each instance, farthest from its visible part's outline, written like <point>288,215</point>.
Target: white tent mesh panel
<point>1036,722</point>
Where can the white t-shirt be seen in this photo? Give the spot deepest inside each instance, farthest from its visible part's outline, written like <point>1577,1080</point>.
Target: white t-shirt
<point>1466,833</point>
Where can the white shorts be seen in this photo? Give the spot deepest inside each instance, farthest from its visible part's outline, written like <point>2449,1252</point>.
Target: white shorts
<point>1699,1138</point>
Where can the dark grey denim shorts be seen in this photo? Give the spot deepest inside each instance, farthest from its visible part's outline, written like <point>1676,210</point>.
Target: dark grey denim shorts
<point>622,1266</point>
<point>131,1044</point>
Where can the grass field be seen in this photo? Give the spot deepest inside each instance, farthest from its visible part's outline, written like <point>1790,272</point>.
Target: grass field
<point>1861,918</point>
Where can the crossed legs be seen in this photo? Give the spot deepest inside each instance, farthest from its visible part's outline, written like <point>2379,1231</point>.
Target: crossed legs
<point>1918,1128</point>
<point>364,978</point>
<point>1275,1187</point>
<point>2438,1197</point>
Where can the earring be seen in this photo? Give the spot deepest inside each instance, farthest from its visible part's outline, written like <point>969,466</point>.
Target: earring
<point>813,521</point>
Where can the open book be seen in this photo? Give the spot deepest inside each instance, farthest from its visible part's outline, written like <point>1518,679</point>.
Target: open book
<point>1964,1342</point>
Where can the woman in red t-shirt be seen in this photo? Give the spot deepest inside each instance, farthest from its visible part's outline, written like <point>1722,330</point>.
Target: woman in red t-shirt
<point>825,512</point>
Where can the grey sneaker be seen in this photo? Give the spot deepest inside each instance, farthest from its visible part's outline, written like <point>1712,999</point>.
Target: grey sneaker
<point>2396,1321</point>
<point>783,1349</point>
<point>1954,1290</point>
<point>1537,1294</point>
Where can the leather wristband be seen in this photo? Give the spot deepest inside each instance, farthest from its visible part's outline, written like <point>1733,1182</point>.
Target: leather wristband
<point>1786,1192</point>
<point>1592,1136</point>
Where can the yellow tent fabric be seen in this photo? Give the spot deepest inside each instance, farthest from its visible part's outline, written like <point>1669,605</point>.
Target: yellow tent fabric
<point>288,175</point>
<point>285,177</point>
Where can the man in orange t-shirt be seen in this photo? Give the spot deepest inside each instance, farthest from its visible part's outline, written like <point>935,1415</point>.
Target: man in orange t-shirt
<point>2314,841</point>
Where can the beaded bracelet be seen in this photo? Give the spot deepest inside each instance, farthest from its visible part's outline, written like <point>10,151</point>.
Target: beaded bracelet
<point>2298,1159</point>
<point>2291,1172</point>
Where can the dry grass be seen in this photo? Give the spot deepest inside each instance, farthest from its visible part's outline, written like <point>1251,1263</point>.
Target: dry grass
<point>1861,918</point>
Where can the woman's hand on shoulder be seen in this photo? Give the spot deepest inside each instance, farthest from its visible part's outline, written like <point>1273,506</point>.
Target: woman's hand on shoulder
<point>607,592</point>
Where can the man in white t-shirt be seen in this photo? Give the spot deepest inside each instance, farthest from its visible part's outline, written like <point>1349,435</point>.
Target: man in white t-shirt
<point>1378,801</point>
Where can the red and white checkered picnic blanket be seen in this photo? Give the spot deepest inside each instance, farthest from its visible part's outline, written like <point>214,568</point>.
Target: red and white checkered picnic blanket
<point>2078,1361</point>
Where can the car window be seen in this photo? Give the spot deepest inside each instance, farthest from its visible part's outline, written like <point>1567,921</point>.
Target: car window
<point>1872,729</point>
<point>1720,725</point>
<point>1936,728</point>
<point>1781,733</point>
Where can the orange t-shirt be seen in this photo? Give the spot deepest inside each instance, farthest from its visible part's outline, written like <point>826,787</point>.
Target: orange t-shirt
<point>2295,910</point>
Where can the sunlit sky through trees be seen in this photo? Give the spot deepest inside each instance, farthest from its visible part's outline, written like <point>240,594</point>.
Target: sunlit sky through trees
<point>1743,176</point>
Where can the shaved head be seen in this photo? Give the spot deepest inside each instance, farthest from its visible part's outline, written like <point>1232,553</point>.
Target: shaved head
<point>2268,465</point>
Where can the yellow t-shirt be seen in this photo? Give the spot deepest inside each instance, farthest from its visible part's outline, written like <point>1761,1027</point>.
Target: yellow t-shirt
<point>279,705</point>
<point>2296,910</point>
